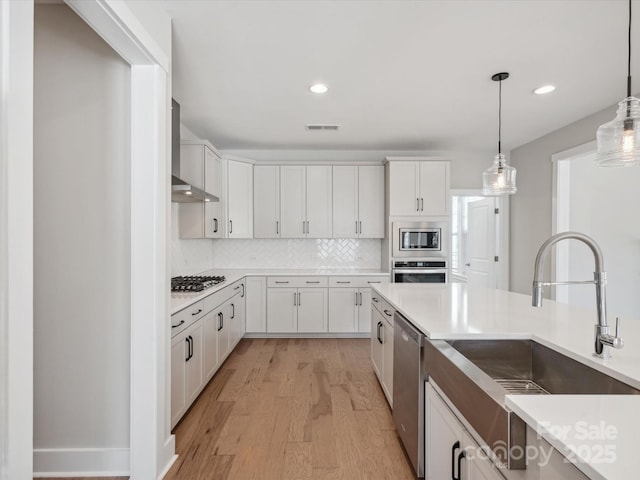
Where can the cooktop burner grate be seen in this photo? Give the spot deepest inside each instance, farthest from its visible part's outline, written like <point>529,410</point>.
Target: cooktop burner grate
<point>194,283</point>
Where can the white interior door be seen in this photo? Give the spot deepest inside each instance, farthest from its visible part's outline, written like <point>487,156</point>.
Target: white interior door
<point>481,243</point>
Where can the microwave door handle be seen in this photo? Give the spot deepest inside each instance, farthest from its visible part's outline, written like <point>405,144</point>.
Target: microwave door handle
<point>433,270</point>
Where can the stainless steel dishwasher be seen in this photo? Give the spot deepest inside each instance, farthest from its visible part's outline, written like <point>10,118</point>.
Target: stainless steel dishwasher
<point>408,390</point>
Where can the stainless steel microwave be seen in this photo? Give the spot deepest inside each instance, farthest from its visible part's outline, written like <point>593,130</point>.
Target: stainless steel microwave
<point>419,239</point>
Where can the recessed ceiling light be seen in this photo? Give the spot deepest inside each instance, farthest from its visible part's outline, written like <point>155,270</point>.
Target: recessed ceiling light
<point>319,88</point>
<point>544,89</point>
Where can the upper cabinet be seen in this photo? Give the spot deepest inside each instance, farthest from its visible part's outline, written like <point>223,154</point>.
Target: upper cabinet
<point>266,201</point>
<point>358,201</point>
<point>418,188</point>
<point>305,202</point>
<point>201,166</point>
<point>239,199</point>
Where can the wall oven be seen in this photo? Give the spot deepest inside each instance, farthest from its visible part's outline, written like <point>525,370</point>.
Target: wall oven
<point>420,271</point>
<point>419,239</point>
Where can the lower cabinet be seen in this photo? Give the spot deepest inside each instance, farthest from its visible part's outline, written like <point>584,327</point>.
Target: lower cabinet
<point>296,310</point>
<point>256,304</point>
<point>198,351</point>
<point>382,351</point>
<point>186,369</point>
<point>451,452</point>
<point>350,310</point>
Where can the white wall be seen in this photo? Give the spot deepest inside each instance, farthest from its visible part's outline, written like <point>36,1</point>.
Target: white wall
<point>602,204</point>
<point>297,253</point>
<point>530,217</point>
<point>82,239</point>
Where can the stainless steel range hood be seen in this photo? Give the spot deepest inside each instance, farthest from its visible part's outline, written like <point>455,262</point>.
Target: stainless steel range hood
<point>182,191</point>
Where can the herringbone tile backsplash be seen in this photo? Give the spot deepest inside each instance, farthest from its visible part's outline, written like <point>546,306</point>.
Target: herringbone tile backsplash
<point>297,253</point>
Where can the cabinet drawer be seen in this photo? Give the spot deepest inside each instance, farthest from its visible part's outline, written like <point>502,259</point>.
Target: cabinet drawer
<point>380,304</point>
<point>356,281</point>
<point>216,299</point>
<point>184,318</point>
<point>296,282</point>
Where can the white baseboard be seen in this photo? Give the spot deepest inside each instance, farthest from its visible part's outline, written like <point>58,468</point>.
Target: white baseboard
<point>306,335</point>
<point>169,455</point>
<point>81,462</point>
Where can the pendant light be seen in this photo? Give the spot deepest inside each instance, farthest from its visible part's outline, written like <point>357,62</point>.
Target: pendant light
<point>499,178</point>
<point>619,140</point>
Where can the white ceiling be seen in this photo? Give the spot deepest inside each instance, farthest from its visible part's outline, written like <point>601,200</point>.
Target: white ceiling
<point>403,75</point>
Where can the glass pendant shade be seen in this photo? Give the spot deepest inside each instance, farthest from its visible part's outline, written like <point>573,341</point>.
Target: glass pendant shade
<point>499,178</point>
<point>619,139</point>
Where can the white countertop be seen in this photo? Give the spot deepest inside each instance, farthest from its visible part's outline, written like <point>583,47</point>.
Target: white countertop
<point>180,301</point>
<point>455,311</point>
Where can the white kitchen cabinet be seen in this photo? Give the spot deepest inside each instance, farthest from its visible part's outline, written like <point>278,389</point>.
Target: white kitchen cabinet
<point>210,330</point>
<point>343,309</point>
<point>201,166</point>
<point>358,201</point>
<point>282,310</point>
<point>305,201</point>
<point>239,199</point>
<point>256,304</point>
<point>186,369</point>
<point>382,343</point>
<point>418,188</point>
<point>266,201</point>
<point>443,437</point>
<point>350,303</point>
<point>297,304</point>
<point>237,314</point>
<point>223,316</point>
<point>291,310</point>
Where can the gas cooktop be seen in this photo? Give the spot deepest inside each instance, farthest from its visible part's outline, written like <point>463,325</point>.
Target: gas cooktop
<point>194,283</point>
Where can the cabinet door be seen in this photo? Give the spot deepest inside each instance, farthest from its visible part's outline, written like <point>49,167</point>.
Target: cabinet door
<point>282,310</point>
<point>236,320</point>
<point>266,201</point>
<point>179,351</point>
<point>434,188</point>
<point>312,310</point>
<point>210,326</point>
<point>319,210</point>
<point>240,199</point>
<point>224,327</point>
<point>371,201</point>
<point>476,465</point>
<point>345,201</point>
<point>193,370</point>
<point>403,189</point>
<point>364,310</point>
<point>443,434</point>
<point>387,359</point>
<point>343,309</point>
<point>213,226</point>
<point>292,202</point>
<point>376,342</point>
<point>256,304</point>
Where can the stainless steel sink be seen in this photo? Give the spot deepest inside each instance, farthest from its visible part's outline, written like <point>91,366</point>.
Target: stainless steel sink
<point>476,375</point>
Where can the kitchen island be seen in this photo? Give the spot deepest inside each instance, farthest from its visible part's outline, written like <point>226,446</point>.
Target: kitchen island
<point>456,311</point>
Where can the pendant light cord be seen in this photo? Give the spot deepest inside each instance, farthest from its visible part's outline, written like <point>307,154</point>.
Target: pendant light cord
<point>629,56</point>
<point>500,118</point>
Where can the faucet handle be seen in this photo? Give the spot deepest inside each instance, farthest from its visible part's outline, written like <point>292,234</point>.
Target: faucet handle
<point>617,327</point>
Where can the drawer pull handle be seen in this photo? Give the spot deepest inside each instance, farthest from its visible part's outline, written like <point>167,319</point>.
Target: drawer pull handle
<point>195,313</point>
<point>317,281</point>
<point>237,288</point>
<point>454,447</point>
<point>176,326</point>
<point>377,281</point>
<point>379,326</point>
<point>388,313</point>
<point>343,282</point>
<point>281,282</point>
<point>375,299</point>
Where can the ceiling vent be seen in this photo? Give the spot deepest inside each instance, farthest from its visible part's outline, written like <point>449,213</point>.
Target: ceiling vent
<point>313,127</point>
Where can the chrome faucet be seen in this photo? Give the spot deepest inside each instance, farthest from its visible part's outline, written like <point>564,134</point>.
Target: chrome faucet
<point>603,340</point>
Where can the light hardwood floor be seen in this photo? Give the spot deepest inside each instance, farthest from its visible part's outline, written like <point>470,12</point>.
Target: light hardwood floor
<point>285,409</point>
<point>291,409</point>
